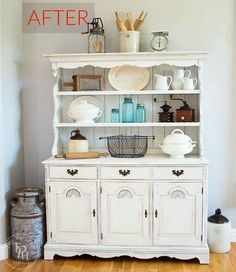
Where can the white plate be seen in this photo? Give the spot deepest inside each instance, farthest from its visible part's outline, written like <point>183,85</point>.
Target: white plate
<point>129,78</point>
<point>90,100</point>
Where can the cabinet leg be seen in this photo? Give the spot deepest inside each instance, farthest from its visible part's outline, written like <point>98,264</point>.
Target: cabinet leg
<point>48,255</point>
<point>204,259</point>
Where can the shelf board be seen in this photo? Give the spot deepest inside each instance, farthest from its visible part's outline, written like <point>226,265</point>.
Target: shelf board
<point>144,92</point>
<point>94,125</point>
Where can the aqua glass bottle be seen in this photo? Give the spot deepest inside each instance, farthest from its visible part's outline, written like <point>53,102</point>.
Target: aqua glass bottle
<point>128,110</point>
<point>115,116</point>
<point>140,113</point>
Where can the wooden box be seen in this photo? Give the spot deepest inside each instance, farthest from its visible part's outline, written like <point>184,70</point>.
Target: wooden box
<point>166,117</point>
<point>185,115</point>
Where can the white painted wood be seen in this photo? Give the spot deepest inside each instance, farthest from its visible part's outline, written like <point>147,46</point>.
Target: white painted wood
<point>72,172</point>
<point>178,173</point>
<point>125,214</point>
<point>143,59</point>
<point>178,214</point>
<point>149,160</point>
<point>120,225</point>
<point>183,253</point>
<point>143,92</point>
<point>125,173</point>
<point>161,63</point>
<point>57,113</point>
<point>4,252</point>
<point>193,124</point>
<point>72,217</point>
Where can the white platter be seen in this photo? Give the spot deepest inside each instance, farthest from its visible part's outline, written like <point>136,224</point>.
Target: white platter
<point>128,78</point>
<point>91,100</point>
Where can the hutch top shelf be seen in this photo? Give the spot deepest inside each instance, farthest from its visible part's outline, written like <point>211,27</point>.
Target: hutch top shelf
<point>142,59</point>
<point>66,65</point>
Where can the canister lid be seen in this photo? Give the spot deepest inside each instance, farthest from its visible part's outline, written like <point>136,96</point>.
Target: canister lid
<point>29,192</point>
<point>140,106</point>
<point>218,218</point>
<point>128,99</point>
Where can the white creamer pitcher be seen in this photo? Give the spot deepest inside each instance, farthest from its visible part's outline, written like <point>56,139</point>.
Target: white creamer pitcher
<point>189,83</point>
<point>162,82</point>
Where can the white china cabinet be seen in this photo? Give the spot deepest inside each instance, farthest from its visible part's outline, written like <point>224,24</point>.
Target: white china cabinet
<point>145,207</point>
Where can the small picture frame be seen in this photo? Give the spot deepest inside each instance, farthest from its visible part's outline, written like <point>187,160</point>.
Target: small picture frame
<point>86,82</point>
<point>89,82</point>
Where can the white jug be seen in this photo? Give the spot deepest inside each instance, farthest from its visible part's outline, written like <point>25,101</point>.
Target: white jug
<point>178,80</point>
<point>218,233</point>
<point>180,73</point>
<point>162,82</point>
<point>189,83</point>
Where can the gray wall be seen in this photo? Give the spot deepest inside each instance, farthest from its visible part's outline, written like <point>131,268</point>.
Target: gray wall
<point>11,132</point>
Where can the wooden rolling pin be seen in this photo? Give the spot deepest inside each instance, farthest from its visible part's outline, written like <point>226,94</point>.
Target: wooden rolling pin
<point>138,22</point>
<point>128,22</point>
<point>82,155</point>
<point>119,22</point>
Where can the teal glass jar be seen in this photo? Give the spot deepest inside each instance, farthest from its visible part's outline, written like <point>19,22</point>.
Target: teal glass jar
<point>115,116</point>
<point>128,110</point>
<point>140,113</point>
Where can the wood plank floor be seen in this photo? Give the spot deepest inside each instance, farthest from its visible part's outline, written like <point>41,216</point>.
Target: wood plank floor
<point>218,263</point>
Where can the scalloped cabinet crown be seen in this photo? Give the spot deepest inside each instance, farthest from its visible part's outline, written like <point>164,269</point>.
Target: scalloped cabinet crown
<point>108,207</point>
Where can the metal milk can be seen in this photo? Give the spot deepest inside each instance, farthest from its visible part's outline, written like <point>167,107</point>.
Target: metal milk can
<point>27,224</point>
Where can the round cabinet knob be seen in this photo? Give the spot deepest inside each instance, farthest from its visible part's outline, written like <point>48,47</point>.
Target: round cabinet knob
<point>182,118</point>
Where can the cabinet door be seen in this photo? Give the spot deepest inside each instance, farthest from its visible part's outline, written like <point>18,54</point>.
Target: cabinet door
<point>125,214</point>
<point>178,214</point>
<point>73,212</point>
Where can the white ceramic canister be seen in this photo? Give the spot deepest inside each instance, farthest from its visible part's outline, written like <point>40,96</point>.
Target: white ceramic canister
<point>129,41</point>
<point>218,233</point>
<point>77,142</point>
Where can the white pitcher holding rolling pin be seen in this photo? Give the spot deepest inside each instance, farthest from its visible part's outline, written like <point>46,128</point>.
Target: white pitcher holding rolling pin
<point>162,82</point>
<point>189,83</point>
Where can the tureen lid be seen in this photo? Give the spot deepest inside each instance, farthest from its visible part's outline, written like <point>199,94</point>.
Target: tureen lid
<point>83,104</point>
<point>177,137</point>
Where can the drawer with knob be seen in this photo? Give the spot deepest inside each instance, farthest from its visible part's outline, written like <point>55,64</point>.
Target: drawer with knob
<point>73,172</point>
<point>126,172</point>
<point>178,173</point>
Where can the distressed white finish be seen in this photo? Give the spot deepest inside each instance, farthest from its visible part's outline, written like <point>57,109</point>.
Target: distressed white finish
<point>109,60</point>
<point>178,218</point>
<point>144,92</point>
<point>123,220</point>
<point>73,172</point>
<point>66,65</point>
<point>183,253</point>
<point>147,207</point>
<point>126,208</point>
<point>72,219</point>
<point>4,251</point>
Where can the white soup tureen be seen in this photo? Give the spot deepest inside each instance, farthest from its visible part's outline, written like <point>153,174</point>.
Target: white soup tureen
<point>84,112</point>
<point>177,144</point>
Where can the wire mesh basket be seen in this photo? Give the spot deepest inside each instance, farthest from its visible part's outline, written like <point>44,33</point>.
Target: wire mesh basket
<point>127,146</point>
